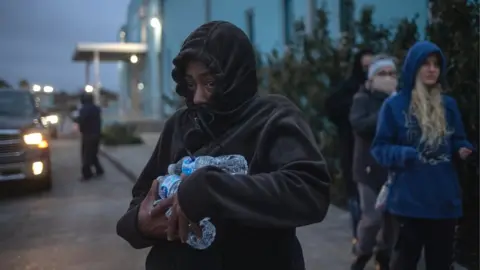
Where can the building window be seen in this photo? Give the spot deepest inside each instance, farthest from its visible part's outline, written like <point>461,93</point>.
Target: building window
<point>347,14</point>
<point>287,21</point>
<point>250,21</point>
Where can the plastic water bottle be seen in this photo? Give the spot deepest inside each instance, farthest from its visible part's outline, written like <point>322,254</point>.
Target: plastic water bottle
<point>233,164</point>
<point>168,186</point>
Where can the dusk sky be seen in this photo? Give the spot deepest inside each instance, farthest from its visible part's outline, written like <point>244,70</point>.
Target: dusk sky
<point>38,38</point>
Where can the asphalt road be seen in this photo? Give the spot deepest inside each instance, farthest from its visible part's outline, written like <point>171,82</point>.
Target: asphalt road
<point>70,227</point>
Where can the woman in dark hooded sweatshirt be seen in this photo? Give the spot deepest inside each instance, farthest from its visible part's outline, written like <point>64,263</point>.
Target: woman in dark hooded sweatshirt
<point>419,130</point>
<point>256,214</point>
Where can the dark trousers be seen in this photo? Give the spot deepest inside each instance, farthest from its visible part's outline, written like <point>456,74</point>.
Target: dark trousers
<point>355,213</point>
<point>412,235</point>
<point>374,231</point>
<point>90,144</point>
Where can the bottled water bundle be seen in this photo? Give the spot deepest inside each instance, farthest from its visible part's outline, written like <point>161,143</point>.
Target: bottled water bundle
<point>168,186</point>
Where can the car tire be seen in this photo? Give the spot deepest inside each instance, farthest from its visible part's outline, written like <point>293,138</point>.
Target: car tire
<point>46,182</point>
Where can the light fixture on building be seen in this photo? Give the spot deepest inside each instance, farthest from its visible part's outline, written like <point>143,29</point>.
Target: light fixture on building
<point>47,89</point>
<point>155,23</point>
<point>88,88</point>
<point>36,88</point>
<point>122,36</point>
<point>133,59</point>
<point>140,86</point>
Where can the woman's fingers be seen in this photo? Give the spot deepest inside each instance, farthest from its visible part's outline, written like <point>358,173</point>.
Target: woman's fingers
<point>182,226</point>
<point>162,207</point>
<point>172,225</point>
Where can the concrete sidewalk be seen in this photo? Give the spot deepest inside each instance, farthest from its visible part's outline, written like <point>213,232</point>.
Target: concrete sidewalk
<point>326,245</point>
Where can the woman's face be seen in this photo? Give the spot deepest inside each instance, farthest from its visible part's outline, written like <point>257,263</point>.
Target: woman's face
<point>385,80</point>
<point>199,81</point>
<point>429,71</point>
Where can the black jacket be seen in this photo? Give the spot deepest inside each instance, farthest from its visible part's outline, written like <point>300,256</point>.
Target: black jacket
<point>363,118</point>
<point>338,106</point>
<point>255,214</point>
<point>89,118</point>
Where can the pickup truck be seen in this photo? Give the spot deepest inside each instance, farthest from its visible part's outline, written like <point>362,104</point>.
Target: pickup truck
<point>24,141</point>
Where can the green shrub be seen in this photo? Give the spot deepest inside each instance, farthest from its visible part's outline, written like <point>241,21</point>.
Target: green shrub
<point>120,134</point>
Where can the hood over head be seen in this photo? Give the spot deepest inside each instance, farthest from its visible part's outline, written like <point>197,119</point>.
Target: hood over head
<point>358,73</point>
<point>86,99</point>
<point>229,55</point>
<point>416,56</point>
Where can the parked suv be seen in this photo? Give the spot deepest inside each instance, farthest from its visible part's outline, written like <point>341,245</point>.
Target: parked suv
<point>24,140</point>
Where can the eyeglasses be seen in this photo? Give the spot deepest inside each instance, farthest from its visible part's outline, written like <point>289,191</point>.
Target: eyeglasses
<point>387,73</point>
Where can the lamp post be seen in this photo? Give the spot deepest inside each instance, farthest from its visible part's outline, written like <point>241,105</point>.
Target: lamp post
<point>36,88</point>
<point>88,88</point>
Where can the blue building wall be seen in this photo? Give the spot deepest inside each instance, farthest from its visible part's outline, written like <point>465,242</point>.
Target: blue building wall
<point>272,22</point>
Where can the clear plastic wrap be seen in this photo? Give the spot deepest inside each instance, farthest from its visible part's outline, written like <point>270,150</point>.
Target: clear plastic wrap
<point>168,186</point>
<point>382,197</point>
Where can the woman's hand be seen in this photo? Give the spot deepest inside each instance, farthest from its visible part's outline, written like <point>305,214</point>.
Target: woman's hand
<point>178,223</point>
<point>464,152</point>
<point>151,220</point>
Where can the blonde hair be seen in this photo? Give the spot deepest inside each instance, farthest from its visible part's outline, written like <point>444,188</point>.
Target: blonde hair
<point>428,108</point>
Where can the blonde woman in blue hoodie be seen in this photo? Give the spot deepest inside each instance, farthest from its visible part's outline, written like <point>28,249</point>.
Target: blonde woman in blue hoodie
<point>419,130</point>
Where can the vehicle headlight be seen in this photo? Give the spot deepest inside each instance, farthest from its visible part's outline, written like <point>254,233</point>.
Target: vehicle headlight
<point>52,119</point>
<point>44,121</point>
<point>33,138</point>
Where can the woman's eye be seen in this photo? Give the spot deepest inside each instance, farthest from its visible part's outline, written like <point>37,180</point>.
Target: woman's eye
<point>210,84</point>
<point>190,85</point>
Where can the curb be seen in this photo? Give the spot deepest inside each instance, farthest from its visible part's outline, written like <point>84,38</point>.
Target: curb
<point>132,177</point>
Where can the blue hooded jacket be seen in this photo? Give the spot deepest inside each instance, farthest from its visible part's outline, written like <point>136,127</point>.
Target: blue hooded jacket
<point>425,183</point>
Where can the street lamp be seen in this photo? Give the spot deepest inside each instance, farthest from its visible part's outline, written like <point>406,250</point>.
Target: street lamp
<point>88,88</point>
<point>36,88</point>
<point>155,23</point>
<point>140,86</point>
<point>133,59</point>
<point>47,89</point>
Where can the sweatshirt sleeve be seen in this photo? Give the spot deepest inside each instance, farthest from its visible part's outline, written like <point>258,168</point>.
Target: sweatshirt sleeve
<point>290,190</point>
<point>384,149</point>
<point>363,122</point>
<point>459,138</point>
<point>127,226</point>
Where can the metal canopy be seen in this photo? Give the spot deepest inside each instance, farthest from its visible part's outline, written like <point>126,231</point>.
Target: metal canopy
<point>108,51</point>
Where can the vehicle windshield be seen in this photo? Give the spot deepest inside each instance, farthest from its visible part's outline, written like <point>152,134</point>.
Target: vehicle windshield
<point>16,104</point>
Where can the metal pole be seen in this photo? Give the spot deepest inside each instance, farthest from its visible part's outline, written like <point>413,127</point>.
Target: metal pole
<point>96,67</point>
<point>310,18</point>
<point>87,72</point>
<point>208,10</point>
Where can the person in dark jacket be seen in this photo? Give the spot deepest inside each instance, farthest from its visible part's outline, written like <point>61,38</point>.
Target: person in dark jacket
<point>338,108</point>
<point>419,131</point>
<point>256,215</point>
<point>372,230</point>
<point>89,122</point>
